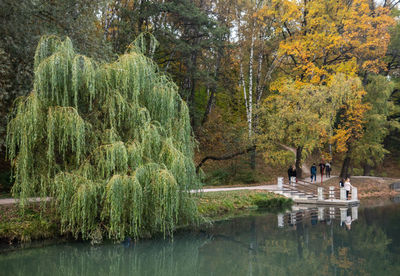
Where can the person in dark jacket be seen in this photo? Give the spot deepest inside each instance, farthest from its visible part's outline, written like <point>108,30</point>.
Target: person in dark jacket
<point>321,169</point>
<point>291,173</point>
<point>313,171</point>
<point>328,169</point>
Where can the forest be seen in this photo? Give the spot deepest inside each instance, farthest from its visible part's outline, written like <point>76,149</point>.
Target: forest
<point>183,92</point>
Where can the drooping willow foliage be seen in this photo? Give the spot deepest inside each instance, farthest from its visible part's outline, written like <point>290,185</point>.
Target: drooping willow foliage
<point>111,143</point>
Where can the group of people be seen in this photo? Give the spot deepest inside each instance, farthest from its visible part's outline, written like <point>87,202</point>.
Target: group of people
<point>322,168</point>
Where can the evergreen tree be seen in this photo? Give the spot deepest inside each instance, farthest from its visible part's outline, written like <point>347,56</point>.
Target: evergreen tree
<point>22,23</point>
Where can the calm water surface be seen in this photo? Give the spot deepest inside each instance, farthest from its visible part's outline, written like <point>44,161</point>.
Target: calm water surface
<point>319,241</point>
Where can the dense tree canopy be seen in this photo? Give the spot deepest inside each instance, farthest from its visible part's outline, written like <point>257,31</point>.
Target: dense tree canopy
<point>239,65</point>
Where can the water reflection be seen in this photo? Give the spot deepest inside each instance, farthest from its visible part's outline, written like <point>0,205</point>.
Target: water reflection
<point>320,214</point>
<point>312,241</point>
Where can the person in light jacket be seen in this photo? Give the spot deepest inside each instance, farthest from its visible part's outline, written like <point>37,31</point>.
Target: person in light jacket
<point>347,187</point>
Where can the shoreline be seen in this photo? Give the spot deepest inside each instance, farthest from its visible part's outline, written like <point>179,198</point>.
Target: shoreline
<point>21,229</point>
<point>33,225</point>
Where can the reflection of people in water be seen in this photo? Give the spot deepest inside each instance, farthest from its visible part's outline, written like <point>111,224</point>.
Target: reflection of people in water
<point>314,217</point>
<point>348,220</point>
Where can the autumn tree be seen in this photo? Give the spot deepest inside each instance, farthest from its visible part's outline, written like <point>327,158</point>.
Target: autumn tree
<point>349,125</point>
<point>302,117</point>
<point>324,38</point>
<point>257,59</point>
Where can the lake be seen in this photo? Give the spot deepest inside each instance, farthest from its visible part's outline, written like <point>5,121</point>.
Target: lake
<point>316,241</point>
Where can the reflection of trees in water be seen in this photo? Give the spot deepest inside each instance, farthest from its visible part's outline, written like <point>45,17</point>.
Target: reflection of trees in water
<point>161,257</point>
<point>244,246</point>
<point>308,249</point>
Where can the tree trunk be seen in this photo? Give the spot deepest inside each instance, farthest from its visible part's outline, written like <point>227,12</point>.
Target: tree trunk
<point>345,167</point>
<point>299,153</point>
<point>208,107</point>
<point>366,170</point>
<point>250,122</point>
<point>253,159</point>
<point>213,87</point>
<point>226,157</point>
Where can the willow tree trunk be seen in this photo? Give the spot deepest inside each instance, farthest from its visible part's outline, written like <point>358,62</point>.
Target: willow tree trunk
<point>299,171</point>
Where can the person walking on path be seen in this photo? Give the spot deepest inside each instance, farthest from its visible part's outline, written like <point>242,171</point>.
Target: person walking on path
<point>347,187</point>
<point>341,183</point>
<point>291,173</point>
<point>313,171</point>
<point>328,170</point>
<point>321,170</point>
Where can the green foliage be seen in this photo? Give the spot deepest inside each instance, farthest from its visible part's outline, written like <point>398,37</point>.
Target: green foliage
<point>303,116</point>
<point>23,23</point>
<point>369,150</point>
<point>277,203</point>
<point>111,143</point>
<point>5,182</point>
<point>27,226</point>
<point>216,204</point>
<point>218,177</point>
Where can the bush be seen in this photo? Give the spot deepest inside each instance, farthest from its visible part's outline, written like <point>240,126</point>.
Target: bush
<point>246,177</point>
<point>218,177</point>
<point>272,203</point>
<point>5,182</point>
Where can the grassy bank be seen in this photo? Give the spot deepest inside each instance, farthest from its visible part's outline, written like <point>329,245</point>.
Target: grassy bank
<point>215,205</point>
<point>16,226</point>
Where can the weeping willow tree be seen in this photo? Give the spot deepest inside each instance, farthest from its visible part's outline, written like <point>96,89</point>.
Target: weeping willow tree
<point>111,143</point>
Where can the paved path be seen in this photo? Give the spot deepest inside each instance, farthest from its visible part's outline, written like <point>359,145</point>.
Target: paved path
<point>308,179</point>
<point>304,168</point>
<point>261,187</point>
<point>8,201</point>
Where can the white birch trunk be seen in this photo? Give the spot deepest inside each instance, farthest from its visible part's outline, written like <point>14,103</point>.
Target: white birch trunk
<point>250,116</point>
<point>259,82</point>
<point>243,84</point>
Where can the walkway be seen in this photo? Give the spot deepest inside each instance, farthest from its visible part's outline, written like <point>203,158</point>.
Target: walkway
<point>8,201</point>
<point>261,187</point>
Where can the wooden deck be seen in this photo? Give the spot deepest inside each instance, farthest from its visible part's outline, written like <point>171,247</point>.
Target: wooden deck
<point>328,202</point>
<point>307,193</point>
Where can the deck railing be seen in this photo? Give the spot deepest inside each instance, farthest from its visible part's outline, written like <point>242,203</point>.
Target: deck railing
<point>317,190</point>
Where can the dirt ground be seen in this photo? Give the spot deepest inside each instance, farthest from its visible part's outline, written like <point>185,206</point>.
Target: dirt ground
<point>368,186</point>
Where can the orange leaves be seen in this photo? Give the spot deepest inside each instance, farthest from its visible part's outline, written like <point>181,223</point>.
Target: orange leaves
<point>322,38</point>
<point>352,121</point>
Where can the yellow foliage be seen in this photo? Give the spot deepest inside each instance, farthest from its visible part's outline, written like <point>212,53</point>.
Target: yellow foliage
<point>322,38</point>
